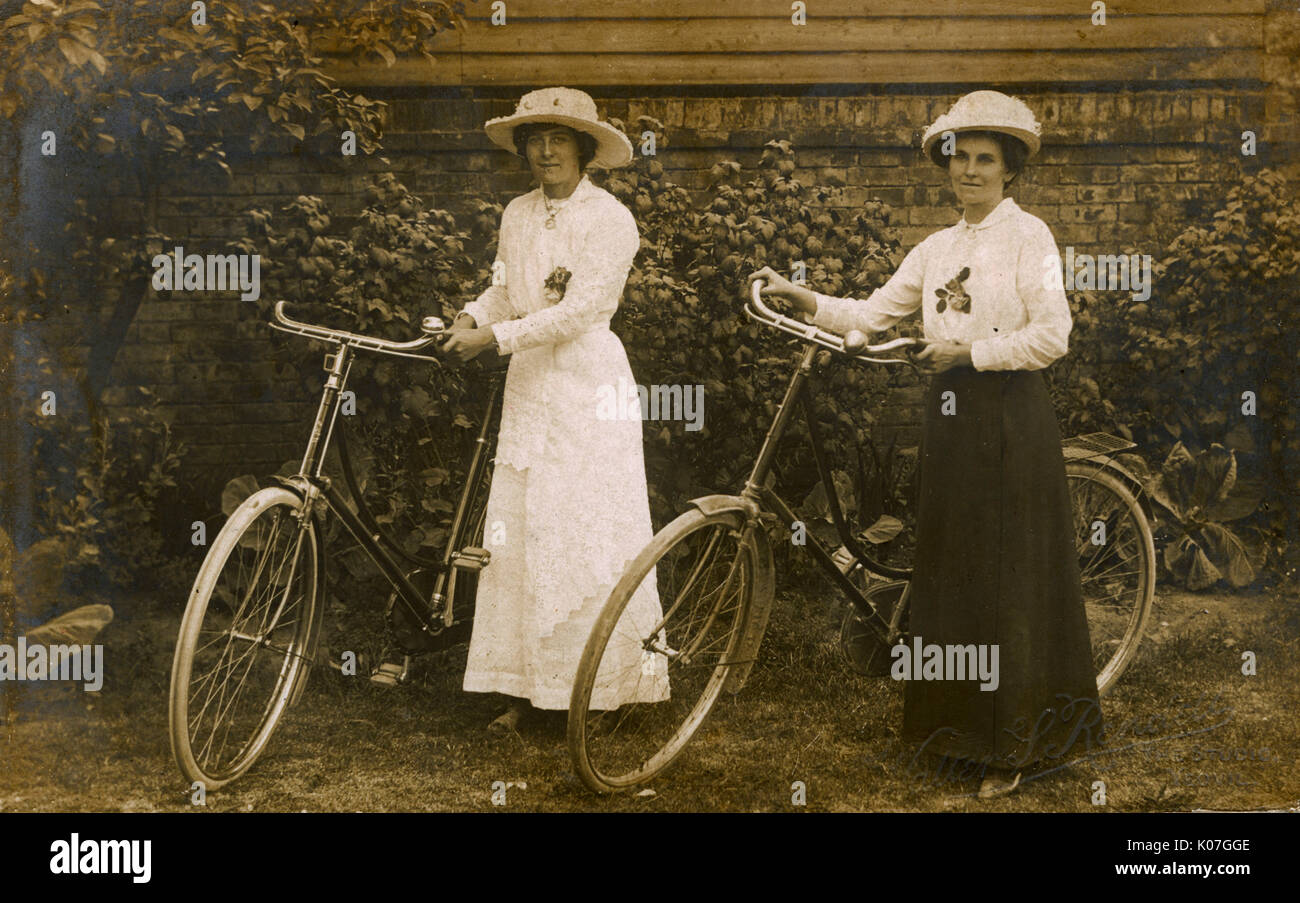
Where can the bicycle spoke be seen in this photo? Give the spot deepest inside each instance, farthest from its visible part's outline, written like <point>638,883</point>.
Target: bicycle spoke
<point>704,582</point>
<point>251,643</point>
<point>1117,574</point>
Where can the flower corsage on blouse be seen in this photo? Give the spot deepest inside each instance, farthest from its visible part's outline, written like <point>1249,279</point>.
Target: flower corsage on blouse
<point>555,284</point>
<point>954,293</point>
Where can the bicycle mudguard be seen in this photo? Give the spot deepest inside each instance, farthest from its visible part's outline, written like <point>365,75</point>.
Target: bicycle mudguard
<point>1105,462</point>
<point>760,608</point>
<point>754,625</point>
<point>718,504</point>
<point>313,634</point>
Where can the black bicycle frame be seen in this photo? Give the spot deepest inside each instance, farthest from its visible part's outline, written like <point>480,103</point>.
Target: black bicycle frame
<point>757,489</point>
<point>315,485</point>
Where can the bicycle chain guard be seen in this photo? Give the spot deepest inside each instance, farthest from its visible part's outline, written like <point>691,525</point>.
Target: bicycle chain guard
<point>862,649</point>
<point>408,634</point>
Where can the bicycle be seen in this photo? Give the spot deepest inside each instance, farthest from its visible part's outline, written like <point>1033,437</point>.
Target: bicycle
<point>251,627</point>
<point>713,568</point>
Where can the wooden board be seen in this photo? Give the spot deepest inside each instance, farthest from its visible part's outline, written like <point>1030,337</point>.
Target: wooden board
<point>861,34</point>
<point>668,42</point>
<point>886,68</point>
<point>922,9</point>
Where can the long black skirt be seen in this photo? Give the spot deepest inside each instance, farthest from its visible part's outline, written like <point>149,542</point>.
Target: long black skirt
<point>996,564</point>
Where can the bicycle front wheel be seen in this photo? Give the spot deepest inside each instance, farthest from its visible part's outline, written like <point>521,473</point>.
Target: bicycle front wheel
<point>653,667</point>
<point>244,643</point>
<point>1117,565</point>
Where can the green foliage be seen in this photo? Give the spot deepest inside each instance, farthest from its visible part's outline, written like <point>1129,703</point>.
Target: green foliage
<point>140,83</point>
<point>1222,320</point>
<point>100,488</point>
<point>171,87</point>
<point>1224,311</point>
<point>1170,372</point>
<point>165,98</point>
<point>401,261</point>
<point>1075,381</point>
<point>682,318</point>
<point>1201,494</point>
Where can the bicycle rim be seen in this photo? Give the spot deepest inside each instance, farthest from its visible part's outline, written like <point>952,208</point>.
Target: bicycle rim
<point>652,670</point>
<point>1116,566</point>
<point>244,640</point>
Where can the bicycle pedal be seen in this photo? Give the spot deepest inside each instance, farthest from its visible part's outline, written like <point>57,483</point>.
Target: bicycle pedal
<point>471,558</point>
<point>391,674</point>
<point>843,559</point>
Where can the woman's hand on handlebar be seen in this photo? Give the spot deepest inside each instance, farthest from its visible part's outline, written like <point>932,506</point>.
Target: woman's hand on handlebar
<point>935,357</point>
<point>777,286</point>
<point>462,341</point>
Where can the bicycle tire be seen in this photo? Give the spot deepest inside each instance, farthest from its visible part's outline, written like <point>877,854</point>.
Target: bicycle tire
<point>609,758</point>
<point>1117,566</point>
<point>280,655</point>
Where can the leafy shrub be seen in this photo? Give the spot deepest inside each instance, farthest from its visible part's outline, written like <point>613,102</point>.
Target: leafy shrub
<point>1201,495</point>
<point>682,318</point>
<point>101,489</point>
<point>1075,382</point>
<point>399,262</point>
<point>1221,321</point>
<point>137,82</point>
<point>877,501</point>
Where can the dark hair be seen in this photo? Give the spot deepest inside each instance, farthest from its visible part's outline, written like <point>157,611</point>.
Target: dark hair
<point>586,143</point>
<point>1014,151</point>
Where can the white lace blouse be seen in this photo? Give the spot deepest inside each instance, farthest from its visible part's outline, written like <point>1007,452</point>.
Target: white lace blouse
<point>595,238</point>
<point>1017,317</point>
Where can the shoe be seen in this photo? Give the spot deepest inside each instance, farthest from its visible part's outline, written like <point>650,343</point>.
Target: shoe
<point>993,787</point>
<point>508,721</point>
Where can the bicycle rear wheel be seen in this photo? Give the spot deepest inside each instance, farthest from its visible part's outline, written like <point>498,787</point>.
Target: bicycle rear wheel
<point>1117,565</point>
<point>245,640</point>
<point>622,730</point>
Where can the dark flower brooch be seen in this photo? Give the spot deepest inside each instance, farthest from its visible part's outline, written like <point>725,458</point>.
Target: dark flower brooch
<point>555,284</point>
<point>953,293</point>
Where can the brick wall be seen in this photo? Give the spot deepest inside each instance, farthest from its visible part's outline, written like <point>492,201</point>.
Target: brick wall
<point>1119,167</point>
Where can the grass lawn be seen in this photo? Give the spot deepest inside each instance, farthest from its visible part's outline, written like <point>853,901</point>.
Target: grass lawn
<point>1189,731</point>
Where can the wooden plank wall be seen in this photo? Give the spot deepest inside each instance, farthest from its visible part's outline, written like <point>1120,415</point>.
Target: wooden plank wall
<point>886,42</point>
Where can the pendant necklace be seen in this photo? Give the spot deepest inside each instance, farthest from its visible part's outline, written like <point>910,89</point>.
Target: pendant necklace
<point>550,211</point>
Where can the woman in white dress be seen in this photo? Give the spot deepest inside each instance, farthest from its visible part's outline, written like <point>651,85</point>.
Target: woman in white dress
<point>568,506</point>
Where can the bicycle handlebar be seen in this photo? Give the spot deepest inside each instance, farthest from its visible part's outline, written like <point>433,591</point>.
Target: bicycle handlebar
<point>853,343</point>
<point>432,327</point>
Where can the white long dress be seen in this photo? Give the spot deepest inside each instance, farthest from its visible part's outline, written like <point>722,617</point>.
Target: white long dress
<point>568,507</point>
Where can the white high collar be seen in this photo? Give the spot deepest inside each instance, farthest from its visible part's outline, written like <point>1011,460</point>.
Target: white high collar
<point>1005,208</point>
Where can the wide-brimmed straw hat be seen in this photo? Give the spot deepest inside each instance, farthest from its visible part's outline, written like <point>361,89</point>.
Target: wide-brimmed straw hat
<point>563,106</point>
<point>987,111</point>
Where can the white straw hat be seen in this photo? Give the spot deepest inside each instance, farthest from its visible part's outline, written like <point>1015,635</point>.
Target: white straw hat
<point>990,111</point>
<point>563,106</point>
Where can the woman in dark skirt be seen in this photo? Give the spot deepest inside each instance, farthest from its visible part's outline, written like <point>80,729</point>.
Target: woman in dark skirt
<point>995,561</point>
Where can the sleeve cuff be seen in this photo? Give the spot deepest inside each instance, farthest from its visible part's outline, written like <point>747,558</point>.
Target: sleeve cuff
<point>983,355</point>
<point>505,332</point>
<point>475,309</point>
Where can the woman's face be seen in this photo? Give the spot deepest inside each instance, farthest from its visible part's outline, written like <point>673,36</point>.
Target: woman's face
<point>978,173</point>
<point>553,156</point>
